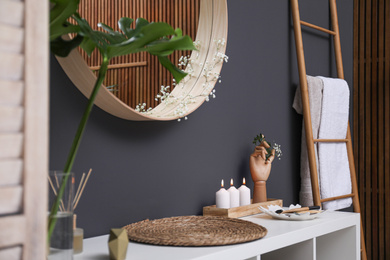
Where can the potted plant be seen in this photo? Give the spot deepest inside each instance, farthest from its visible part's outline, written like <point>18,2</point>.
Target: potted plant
<point>159,39</point>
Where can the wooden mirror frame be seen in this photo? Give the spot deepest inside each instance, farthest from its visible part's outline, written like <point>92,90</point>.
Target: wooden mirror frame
<point>191,94</point>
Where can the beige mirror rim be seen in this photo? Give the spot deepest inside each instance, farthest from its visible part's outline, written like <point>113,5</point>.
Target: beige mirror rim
<point>212,27</point>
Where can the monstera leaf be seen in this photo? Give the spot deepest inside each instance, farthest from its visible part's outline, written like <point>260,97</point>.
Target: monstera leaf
<point>159,39</point>
<point>60,12</point>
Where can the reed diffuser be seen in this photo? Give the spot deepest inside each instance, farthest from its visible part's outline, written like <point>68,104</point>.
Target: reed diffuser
<point>78,233</point>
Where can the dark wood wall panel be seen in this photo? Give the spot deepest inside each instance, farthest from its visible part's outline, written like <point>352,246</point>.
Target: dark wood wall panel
<point>371,121</point>
<point>139,77</point>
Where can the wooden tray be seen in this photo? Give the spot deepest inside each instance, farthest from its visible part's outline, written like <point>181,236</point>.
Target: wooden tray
<point>240,211</point>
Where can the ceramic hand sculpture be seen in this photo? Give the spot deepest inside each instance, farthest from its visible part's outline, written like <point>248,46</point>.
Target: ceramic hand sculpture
<point>260,167</point>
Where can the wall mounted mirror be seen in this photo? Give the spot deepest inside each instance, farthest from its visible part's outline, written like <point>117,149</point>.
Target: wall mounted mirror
<point>139,79</point>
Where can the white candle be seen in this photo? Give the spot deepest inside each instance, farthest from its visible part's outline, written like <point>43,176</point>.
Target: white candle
<point>222,198</point>
<point>234,195</point>
<point>245,194</point>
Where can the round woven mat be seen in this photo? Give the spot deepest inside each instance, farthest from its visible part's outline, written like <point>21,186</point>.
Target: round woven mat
<point>194,231</point>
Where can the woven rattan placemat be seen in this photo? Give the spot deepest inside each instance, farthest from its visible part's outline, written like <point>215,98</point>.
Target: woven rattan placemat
<point>195,231</point>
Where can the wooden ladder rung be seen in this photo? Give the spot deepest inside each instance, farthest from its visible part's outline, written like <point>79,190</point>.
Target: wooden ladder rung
<point>330,140</point>
<point>317,27</point>
<point>338,197</point>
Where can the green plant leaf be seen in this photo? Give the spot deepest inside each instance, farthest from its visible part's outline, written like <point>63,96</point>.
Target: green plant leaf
<point>176,73</point>
<point>106,28</point>
<point>62,48</point>
<point>111,39</point>
<point>139,24</point>
<point>124,24</point>
<point>94,36</point>
<point>59,14</point>
<point>167,46</point>
<point>147,34</point>
<point>178,32</point>
<point>88,45</point>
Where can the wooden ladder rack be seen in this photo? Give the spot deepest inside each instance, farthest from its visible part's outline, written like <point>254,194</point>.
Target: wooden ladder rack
<point>306,111</point>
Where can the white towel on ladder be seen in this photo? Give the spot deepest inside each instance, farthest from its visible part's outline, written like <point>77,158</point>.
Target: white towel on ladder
<point>315,88</point>
<point>334,175</point>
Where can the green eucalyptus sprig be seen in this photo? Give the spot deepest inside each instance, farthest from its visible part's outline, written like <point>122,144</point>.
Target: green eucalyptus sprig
<point>159,39</point>
<point>260,139</point>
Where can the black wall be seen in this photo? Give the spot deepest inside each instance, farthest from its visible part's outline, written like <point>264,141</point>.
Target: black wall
<point>161,169</point>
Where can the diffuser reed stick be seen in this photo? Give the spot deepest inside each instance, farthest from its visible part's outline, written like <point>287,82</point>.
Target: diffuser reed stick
<point>80,189</point>
<point>78,196</point>
<point>62,207</point>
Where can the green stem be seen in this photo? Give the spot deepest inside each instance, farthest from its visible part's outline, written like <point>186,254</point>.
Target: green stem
<point>76,144</point>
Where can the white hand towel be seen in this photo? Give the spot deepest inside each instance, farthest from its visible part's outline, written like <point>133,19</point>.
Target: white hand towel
<point>335,178</point>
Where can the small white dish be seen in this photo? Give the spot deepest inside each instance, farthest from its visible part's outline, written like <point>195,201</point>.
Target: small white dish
<point>271,211</point>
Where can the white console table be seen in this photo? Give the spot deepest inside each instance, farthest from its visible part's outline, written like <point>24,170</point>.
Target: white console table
<point>332,236</point>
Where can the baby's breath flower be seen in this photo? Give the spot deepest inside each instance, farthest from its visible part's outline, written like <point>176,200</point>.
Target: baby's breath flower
<point>278,150</point>
<point>197,44</point>
<point>141,108</point>
<point>261,138</point>
<point>190,64</point>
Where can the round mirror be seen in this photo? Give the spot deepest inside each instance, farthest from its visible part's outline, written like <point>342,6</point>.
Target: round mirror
<point>137,87</point>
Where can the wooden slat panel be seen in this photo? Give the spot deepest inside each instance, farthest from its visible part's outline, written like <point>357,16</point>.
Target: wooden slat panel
<point>13,231</point>
<point>12,253</point>
<point>11,119</point>
<point>11,93</point>
<point>355,91</point>
<point>140,85</point>
<point>11,39</point>
<point>11,66</point>
<point>381,201</point>
<point>367,126</point>
<point>361,145</point>
<point>11,145</point>
<point>372,120</point>
<point>374,128</point>
<point>12,12</point>
<point>10,199</point>
<point>10,172</point>
<point>387,125</point>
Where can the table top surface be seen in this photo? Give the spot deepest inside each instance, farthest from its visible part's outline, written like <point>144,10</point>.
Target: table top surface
<point>281,233</point>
